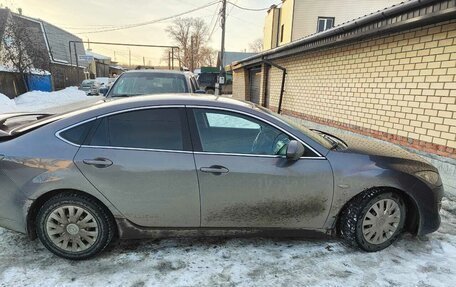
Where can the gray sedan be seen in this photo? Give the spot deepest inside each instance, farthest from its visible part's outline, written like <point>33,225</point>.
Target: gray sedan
<point>154,166</point>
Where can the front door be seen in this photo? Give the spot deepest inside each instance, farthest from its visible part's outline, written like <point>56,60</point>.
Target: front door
<point>142,162</point>
<point>246,181</point>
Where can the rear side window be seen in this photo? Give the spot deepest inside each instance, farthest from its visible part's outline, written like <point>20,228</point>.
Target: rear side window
<point>77,134</point>
<point>148,129</point>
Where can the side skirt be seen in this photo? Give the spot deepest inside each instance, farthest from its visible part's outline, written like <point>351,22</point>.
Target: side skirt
<point>128,230</point>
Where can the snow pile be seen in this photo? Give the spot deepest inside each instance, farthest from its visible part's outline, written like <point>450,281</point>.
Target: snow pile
<point>6,104</point>
<point>37,100</point>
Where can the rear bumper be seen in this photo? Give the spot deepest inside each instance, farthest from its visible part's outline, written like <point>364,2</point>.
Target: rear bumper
<point>11,205</point>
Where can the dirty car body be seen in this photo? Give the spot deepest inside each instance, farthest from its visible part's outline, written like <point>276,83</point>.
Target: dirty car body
<point>175,164</point>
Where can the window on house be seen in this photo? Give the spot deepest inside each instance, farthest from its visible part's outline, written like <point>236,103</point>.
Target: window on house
<point>325,23</point>
<point>281,32</point>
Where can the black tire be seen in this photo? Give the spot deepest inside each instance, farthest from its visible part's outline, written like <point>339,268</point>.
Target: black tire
<point>210,91</point>
<point>352,218</point>
<point>101,216</point>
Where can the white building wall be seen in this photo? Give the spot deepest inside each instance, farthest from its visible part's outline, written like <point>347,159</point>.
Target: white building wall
<point>306,12</point>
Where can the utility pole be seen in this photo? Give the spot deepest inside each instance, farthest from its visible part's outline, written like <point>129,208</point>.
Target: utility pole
<point>144,61</point>
<point>129,58</point>
<point>192,67</point>
<point>172,58</point>
<point>169,60</point>
<point>222,49</point>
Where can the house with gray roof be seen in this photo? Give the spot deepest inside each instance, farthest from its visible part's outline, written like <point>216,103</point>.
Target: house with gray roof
<point>56,43</point>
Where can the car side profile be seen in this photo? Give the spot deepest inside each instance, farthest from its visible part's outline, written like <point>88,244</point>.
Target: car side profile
<point>154,166</point>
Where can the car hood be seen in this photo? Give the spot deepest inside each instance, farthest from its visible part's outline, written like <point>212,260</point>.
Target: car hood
<point>385,154</point>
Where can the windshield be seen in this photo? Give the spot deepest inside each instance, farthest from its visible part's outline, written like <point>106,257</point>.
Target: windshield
<point>311,134</point>
<point>87,83</point>
<point>134,84</point>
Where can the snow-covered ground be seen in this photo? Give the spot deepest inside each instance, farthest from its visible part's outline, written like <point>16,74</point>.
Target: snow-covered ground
<point>430,261</point>
<point>39,101</point>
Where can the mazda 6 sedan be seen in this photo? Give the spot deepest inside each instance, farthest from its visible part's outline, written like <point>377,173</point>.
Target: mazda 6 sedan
<point>183,165</point>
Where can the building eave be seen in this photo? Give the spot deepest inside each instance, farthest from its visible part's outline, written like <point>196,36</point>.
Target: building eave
<point>407,15</point>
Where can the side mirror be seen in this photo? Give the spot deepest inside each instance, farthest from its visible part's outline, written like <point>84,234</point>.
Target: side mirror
<point>295,150</point>
<point>200,92</point>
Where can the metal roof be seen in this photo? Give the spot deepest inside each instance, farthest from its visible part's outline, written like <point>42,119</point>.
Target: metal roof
<point>406,15</point>
<point>230,57</point>
<point>49,37</point>
<point>4,14</point>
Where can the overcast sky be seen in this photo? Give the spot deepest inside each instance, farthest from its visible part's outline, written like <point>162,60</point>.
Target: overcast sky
<point>80,16</point>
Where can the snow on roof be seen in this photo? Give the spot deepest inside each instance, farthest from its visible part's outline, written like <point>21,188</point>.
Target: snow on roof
<point>32,71</point>
<point>97,56</point>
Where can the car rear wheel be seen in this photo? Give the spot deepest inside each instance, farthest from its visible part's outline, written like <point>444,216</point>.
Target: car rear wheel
<point>373,220</point>
<point>74,226</point>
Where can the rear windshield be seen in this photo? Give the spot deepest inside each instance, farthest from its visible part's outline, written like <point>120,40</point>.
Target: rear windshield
<point>50,119</point>
<point>207,78</point>
<point>135,84</point>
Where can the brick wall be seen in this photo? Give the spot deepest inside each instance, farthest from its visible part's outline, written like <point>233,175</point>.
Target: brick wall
<point>399,87</point>
<point>240,84</point>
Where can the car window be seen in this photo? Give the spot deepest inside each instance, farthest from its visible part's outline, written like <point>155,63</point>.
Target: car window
<point>78,133</point>
<point>148,129</point>
<point>229,132</point>
<point>219,120</point>
<point>133,84</point>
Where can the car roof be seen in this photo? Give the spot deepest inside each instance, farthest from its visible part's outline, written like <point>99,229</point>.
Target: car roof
<point>182,99</point>
<point>156,71</point>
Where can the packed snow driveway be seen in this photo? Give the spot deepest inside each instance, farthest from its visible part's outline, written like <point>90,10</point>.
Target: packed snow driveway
<point>429,261</point>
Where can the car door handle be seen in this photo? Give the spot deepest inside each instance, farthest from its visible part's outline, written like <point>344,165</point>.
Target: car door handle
<point>98,162</point>
<point>215,169</point>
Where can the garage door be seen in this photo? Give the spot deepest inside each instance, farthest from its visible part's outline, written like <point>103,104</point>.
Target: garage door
<point>255,85</point>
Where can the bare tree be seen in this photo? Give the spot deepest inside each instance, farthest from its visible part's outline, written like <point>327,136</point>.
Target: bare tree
<point>21,51</point>
<point>256,46</point>
<point>208,57</point>
<point>191,35</point>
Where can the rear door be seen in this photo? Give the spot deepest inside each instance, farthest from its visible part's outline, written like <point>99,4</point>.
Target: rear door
<point>141,160</point>
<point>245,179</point>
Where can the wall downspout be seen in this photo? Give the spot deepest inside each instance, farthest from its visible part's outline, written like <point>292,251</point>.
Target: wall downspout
<point>282,89</point>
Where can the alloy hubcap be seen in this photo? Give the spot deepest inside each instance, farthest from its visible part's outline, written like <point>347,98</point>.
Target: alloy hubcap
<point>72,228</point>
<point>381,221</point>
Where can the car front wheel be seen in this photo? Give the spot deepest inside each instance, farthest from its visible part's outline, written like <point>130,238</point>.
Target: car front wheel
<point>74,226</point>
<point>373,220</point>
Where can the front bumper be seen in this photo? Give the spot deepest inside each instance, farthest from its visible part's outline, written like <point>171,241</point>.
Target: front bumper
<point>429,209</point>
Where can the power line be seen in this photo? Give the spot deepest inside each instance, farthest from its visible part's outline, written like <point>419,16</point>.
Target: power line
<point>248,9</point>
<point>215,15</point>
<point>214,27</point>
<point>150,22</point>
